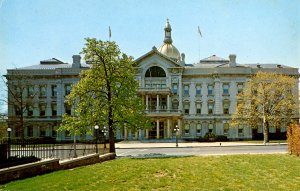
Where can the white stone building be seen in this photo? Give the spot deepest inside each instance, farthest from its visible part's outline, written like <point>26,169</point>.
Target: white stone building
<point>198,98</point>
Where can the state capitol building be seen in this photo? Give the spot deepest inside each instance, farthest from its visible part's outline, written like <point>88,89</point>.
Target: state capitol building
<point>197,98</point>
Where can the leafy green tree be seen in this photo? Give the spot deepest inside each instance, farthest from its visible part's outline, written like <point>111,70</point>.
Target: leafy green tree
<point>268,101</point>
<point>106,93</point>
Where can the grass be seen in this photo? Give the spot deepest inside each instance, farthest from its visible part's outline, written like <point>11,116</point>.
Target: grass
<point>232,172</point>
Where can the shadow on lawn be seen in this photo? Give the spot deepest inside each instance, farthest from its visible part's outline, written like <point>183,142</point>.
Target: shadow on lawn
<point>155,156</point>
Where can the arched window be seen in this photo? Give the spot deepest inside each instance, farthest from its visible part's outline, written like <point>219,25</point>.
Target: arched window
<point>155,71</point>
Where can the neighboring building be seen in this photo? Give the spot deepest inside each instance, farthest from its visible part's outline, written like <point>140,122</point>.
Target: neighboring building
<point>198,98</point>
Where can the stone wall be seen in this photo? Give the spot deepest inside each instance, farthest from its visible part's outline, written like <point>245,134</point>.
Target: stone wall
<point>28,170</point>
<point>50,165</point>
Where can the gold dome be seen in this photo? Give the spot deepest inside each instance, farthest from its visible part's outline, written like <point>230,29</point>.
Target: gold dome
<point>169,50</point>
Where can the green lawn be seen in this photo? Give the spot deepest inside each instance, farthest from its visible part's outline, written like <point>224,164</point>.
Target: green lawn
<point>234,172</point>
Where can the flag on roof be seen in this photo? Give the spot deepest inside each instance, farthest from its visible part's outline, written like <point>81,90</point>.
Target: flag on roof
<point>199,31</point>
<point>109,32</point>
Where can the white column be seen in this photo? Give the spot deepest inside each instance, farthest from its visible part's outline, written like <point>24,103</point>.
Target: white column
<point>157,129</point>
<point>218,97</point>
<point>180,94</point>
<point>147,104</point>
<point>130,134</point>
<point>232,92</point>
<point>168,128</point>
<point>168,103</point>
<point>140,134</point>
<point>147,133</point>
<point>179,126</point>
<point>59,98</point>
<point>125,133</point>
<point>204,109</point>
<point>157,102</point>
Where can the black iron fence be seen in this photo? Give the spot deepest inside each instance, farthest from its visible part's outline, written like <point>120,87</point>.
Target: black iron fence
<point>48,148</point>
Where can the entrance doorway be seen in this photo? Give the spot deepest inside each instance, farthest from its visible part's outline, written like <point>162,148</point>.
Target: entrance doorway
<point>153,131</point>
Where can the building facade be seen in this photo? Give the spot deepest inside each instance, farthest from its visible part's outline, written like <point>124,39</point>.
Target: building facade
<point>197,98</point>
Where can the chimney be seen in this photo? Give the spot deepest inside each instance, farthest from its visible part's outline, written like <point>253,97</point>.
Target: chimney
<point>76,61</point>
<point>232,60</point>
<point>183,58</point>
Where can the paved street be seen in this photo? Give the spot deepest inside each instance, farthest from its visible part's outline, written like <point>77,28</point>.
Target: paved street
<point>202,151</point>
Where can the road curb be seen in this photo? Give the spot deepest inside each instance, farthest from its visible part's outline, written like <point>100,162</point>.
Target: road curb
<point>169,147</point>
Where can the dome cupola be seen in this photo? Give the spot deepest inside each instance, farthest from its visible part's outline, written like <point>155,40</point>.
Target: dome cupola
<point>167,48</point>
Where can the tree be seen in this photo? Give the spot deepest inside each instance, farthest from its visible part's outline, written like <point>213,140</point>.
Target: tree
<point>21,98</point>
<point>106,93</point>
<point>267,101</point>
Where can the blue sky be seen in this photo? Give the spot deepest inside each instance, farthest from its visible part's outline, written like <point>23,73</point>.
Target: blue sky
<point>257,31</point>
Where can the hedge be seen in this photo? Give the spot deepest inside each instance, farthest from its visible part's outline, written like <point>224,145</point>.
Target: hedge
<point>293,139</point>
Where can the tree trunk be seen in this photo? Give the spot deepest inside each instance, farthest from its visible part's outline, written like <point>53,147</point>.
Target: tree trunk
<point>266,133</point>
<point>112,148</point>
<point>75,154</point>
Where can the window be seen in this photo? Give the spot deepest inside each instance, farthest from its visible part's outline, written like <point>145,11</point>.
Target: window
<point>240,129</point>
<point>42,109</point>
<point>283,129</point>
<point>30,131</point>
<point>226,89</point>
<point>226,128</point>
<point>198,128</point>
<point>240,87</point>
<point>67,134</point>
<point>29,111</point>
<point>30,91</point>
<point>163,103</point>
<point>67,89</point>
<point>198,90</point>
<point>210,107</point>
<point>42,131</point>
<point>174,88</point>
<point>43,91</point>
<point>272,130</point>
<point>54,110</point>
<point>186,90</point>
<point>17,91</point>
<point>67,109</point>
<point>17,111</point>
<point>198,108</point>
<point>210,127</point>
<point>155,71</point>
<point>53,90</point>
<point>226,105</point>
<point>187,128</point>
<point>175,105</point>
<point>54,131</point>
<point>210,89</point>
<point>186,108</point>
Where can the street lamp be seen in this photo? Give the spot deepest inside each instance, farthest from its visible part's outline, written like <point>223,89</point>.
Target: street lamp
<point>104,131</point>
<point>96,128</point>
<point>8,141</point>
<point>176,130</point>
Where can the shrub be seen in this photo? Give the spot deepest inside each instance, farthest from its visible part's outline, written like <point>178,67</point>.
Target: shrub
<point>209,136</point>
<point>222,138</point>
<point>293,139</point>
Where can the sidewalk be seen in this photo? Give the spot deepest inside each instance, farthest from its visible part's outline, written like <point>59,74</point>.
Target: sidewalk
<point>138,144</point>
